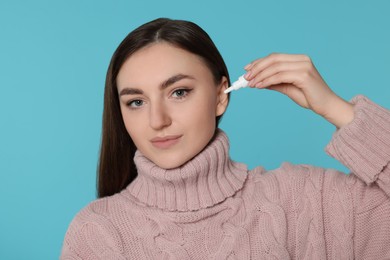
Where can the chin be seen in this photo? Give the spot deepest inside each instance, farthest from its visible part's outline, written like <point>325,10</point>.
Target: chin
<point>167,166</point>
<point>169,163</point>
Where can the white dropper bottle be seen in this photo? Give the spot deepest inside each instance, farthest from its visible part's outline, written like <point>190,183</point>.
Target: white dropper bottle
<point>240,83</point>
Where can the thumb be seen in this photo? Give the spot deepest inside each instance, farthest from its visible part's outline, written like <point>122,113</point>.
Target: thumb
<point>292,92</point>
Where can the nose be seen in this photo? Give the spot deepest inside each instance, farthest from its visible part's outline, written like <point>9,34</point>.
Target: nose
<point>159,117</point>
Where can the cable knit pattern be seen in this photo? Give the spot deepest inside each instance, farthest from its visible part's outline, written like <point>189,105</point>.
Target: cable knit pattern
<point>213,208</point>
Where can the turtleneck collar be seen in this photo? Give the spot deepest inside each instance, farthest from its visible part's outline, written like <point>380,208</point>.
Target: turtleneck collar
<point>207,179</point>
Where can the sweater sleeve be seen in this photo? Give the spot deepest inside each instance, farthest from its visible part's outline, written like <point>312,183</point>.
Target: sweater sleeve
<point>357,207</point>
<point>364,145</point>
<point>91,236</point>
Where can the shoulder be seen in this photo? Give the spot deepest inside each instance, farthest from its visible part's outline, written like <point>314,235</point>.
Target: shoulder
<point>299,182</point>
<point>94,227</point>
<point>285,188</point>
<point>101,211</point>
<point>95,216</point>
<point>303,178</point>
<point>288,174</point>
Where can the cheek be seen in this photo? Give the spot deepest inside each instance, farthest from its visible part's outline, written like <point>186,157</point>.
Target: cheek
<point>133,124</point>
<point>207,107</point>
<point>200,112</point>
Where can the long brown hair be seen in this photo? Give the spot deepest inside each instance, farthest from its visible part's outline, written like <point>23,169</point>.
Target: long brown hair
<point>116,167</point>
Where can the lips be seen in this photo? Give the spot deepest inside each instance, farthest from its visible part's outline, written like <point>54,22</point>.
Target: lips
<point>165,142</point>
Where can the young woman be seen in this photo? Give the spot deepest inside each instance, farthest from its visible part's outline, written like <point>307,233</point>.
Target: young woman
<point>168,189</point>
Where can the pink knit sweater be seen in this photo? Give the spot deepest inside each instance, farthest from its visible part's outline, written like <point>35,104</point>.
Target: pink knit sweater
<point>214,208</point>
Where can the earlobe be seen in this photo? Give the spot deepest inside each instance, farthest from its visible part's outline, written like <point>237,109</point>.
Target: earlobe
<point>222,98</point>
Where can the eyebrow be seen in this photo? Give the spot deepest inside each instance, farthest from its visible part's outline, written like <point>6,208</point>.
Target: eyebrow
<point>163,85</point>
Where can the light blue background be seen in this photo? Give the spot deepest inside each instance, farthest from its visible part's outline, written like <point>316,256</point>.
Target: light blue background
<point>53,60</point>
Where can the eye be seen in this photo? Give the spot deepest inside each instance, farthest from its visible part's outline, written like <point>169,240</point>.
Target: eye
<point>180,93</point>
<point>135,103</point>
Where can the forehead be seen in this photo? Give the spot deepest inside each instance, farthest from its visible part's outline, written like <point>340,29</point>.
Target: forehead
<point>157,62</point>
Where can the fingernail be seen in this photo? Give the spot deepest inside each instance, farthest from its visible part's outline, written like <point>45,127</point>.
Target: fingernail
<point>251,83</point>
<point>247,75</point>
<point>248,66</point>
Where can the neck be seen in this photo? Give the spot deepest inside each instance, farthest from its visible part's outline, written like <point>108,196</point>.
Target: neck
<point>204,181</point>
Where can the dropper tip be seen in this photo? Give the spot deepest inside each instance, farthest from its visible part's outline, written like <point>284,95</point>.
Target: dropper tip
<point>228,90</point>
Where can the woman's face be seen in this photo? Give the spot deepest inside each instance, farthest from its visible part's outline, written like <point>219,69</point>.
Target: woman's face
<point>169,102</point>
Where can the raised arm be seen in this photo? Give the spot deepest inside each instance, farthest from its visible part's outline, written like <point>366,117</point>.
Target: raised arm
<point>355,208</point>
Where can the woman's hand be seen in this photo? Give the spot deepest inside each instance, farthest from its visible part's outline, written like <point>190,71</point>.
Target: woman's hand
<point>296,77</point>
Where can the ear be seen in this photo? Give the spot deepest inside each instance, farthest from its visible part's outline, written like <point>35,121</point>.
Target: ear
<point>222,98</point>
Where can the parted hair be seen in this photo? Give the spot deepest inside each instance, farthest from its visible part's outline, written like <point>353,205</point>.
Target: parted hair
<point>116,168</point>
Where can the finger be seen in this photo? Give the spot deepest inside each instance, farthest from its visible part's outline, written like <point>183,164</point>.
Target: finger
<point>257,61</point>
<point>250,65</point>
<point>292,92</point>
<point>261,64</point>
<point>277,68</point>
<point>291,77</point>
